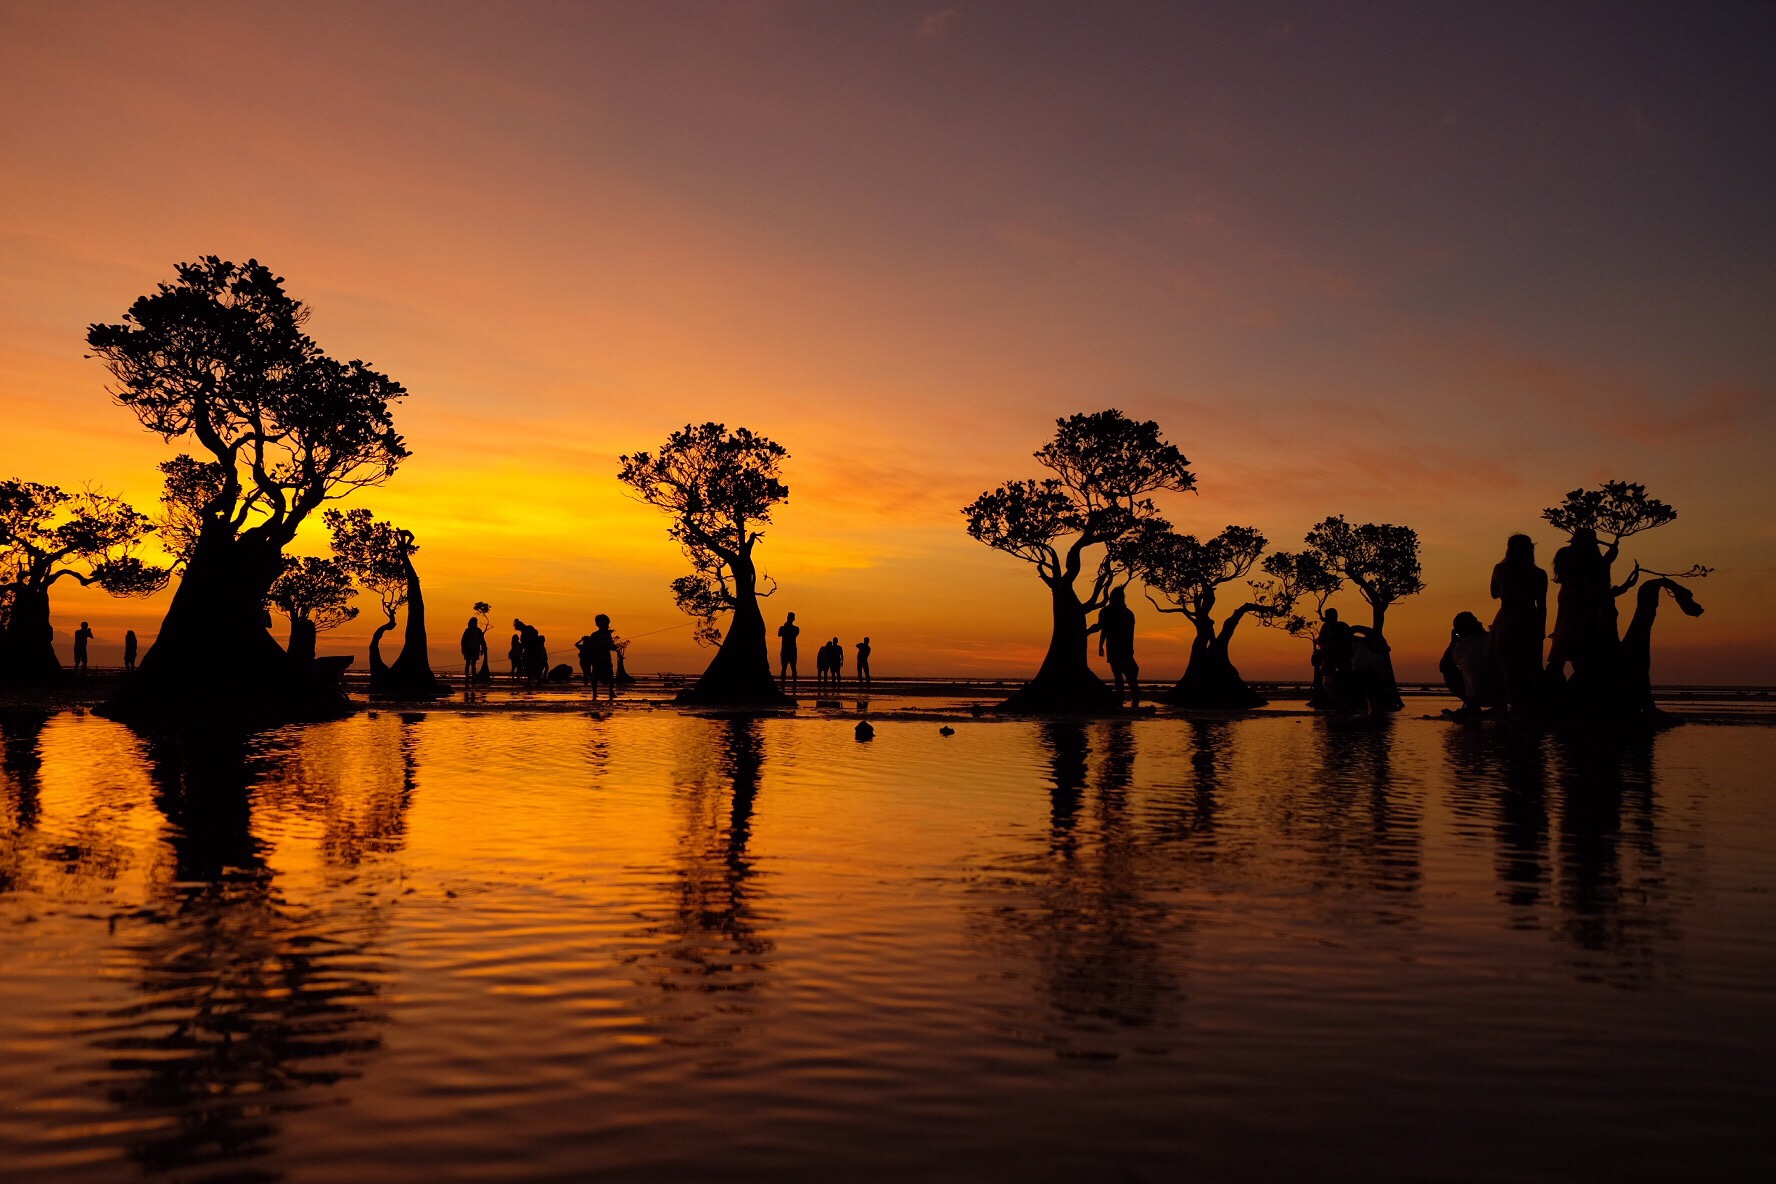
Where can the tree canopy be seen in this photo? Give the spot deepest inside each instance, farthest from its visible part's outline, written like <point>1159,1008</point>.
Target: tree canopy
<point>1381,560</point>
<point>219,357</point>
<point>373,552</point>
<point>316,590</point>
<point>1614,510</point>
<point>48,534</point>
<point>1187,571</point>
<point>1294,577</point>
<point>1105,468</point>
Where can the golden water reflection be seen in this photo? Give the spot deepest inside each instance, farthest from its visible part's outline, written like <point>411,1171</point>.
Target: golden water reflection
<point>408,941</point>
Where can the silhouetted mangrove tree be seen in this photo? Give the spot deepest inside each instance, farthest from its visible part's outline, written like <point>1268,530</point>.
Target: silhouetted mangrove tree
<point>219,357</point>
<point>1105,466</point>
<point>1188,572</point>
<point>718,486</point>
<point>380,556</point>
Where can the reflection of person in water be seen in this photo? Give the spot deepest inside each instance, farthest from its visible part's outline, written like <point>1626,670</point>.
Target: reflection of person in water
<point>1116,644</point>
<point>82,635</point>
<point>1521,588</point>
<point>786,650</point>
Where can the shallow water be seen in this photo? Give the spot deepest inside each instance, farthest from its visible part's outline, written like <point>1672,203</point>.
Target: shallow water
<point>660,946</point>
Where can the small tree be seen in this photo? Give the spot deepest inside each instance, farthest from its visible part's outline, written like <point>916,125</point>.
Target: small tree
<point>379,555</point>
<point>1105,468</point>
<point>48,535</point>
<point>218,357</point>
<point>1381,561</point>
<point>1294,598</point>
<point>718,487</point>
<point>1188,573</point>
<point>315,594</point>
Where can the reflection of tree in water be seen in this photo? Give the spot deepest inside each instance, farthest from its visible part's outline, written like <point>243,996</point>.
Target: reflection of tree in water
<point>1609,876</point>
<point>1363,825</point>
<point>359,788</point>
<point>1613,889</point>
<point>246,1002</point>
<point>1516,808</point>
<point>1188,813</point>
<point>709,941</point>
<point>1083,901</point>
<point>21,758</point>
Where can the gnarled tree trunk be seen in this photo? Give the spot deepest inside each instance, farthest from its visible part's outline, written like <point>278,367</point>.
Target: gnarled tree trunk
<point>1211,679</point>
<point>27,644</point>
<point>740,672</point>
<point>1065,681</point>
<point>215,660</point>
<point>410,677</point>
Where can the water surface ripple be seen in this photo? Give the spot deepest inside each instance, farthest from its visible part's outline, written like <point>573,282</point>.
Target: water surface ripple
<point>659,946</point>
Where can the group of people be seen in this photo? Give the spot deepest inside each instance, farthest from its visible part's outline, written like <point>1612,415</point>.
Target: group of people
<point>1353,667</point>
<point>1588,664</point>
<point>600,657</point>
<point>829,659</point>
<point>84,635</point>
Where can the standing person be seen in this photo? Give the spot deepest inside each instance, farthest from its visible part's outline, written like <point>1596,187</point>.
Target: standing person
<point>515,654</point>
<point>82,635</point>
<point>1584,610</point>
<point>835,662</point>
<point>584,648</point>
<point>1116,643</point>
<point>786,650</point>
<point>601,648</point>
<point>863,670</point>
<point>1333,646</point>
<point>1521,588</point>
<point>129,649</point>
<point>474,645</point>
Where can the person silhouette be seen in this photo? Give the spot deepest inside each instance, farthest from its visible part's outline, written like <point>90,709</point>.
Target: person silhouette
<point>82,635</point>
<point>1469,665</point>
<point>515,653</point>
<point>1584,611</point>
<point>786,650</point>
<point>835,662</point>
<point>1116,644</point>
<point>863,670</point>
<point>1521,588</point>
<point>601,648</point>
<point>1333,647</point>
<point>129,649</point>
<point>474,644</point>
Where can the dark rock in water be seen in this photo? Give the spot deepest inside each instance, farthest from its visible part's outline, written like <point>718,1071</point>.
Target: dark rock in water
<point>864,731</point>
<point>561,673</point>
<point>946,730</point>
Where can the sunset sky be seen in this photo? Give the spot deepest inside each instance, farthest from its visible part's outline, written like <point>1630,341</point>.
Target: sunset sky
<point>1423,264</point>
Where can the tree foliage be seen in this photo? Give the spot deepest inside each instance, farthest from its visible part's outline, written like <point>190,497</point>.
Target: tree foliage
<point>1381,560</point>
<point>1296,579</point>
<point>316,590</point>
<point>1187,571</point>
<point>48,534</point>
<point>718,487</point>
<point>1106,467</point>
<point>1614,510</point>
<point>374,553</point>
<point>219,357</point>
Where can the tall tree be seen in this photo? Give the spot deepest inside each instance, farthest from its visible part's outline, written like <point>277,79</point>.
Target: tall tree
<point>46,536</point>
<point>219,358</point>
<point>1105,468</point>
<point>380,556</point>
<point>718,487</point>
<point>1189,572</point>
<point>314,594</point>
<point>1381,562</point>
